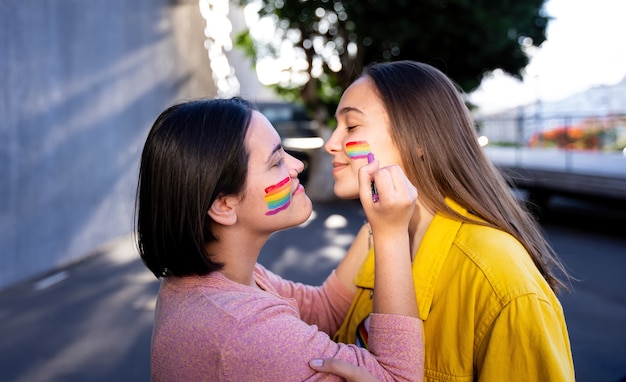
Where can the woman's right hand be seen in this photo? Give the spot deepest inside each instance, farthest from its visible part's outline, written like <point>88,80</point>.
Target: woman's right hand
<point>343,369</point>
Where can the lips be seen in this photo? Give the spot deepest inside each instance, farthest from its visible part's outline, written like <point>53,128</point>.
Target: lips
<point>337,166</point>
<point>295,189</point>
<point>299,189</point>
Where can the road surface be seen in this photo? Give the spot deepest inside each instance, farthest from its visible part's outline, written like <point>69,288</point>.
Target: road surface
<point>92,321</point>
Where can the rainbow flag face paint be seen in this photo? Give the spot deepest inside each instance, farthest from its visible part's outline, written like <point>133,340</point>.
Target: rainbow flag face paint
<point>278,196</point>
<point>358,149</point>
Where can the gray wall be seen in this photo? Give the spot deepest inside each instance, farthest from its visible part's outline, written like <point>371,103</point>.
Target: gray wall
<point>81,81</point>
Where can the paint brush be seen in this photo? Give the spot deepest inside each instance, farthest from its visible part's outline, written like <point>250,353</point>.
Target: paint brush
<point>370,159</point>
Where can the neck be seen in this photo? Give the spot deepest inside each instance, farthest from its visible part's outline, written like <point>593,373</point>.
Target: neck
<point>418,225</point>
<point>239,254</point>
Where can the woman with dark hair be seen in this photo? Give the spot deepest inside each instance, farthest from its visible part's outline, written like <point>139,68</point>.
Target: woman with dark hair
<point>214,184</point>
<point>485,277</point>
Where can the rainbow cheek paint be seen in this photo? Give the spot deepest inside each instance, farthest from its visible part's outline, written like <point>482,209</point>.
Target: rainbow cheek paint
<point>358,149</point>
<point>278,196</point>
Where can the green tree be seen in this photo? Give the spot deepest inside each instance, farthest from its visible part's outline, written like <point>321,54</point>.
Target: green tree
<point>464,38</point>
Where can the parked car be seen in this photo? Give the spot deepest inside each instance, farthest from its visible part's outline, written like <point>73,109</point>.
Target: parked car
<point>300,136</point>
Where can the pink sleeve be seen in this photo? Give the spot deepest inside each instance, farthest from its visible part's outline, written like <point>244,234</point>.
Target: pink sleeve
<point>274,345</point>
<point>324,306</point>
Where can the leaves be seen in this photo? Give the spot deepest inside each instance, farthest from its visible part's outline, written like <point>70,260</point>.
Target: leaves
<point>465,39</point>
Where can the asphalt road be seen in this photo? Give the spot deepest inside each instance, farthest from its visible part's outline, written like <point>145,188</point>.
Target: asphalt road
<point>92,321</point>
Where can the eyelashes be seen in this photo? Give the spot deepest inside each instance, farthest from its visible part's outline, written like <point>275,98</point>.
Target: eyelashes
<point>279,162</point>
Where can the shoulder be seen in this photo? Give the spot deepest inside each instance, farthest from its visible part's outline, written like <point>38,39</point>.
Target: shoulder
<point>212,315</point>
<point>213,297</point>
<point>500,260</point>
<point>214,328</point>
<point>483,242</point>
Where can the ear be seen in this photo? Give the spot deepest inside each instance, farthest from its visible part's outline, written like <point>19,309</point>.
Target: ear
<point>223,210</point>
<point>420,152</point>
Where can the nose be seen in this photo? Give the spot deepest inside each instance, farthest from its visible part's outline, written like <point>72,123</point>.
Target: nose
<point>295,166</point>
<point>332,144</point>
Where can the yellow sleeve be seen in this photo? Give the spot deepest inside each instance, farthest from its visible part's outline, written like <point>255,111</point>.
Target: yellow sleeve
<point>527,341</point>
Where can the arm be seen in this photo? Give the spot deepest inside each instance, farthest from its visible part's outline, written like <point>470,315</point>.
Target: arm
<point>319,307</point>
<point>324,306</point>
<point>274,344</point>
<point>241,334</point>
<point>394,292</point>
<point>389,217</point>
<point>349,266</point>
<point>530,337</point>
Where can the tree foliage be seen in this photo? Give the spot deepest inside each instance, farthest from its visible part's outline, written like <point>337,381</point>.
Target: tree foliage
<point>464,38</point>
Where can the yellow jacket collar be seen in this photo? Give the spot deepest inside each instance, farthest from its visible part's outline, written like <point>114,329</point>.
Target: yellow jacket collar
<point>428,261</point>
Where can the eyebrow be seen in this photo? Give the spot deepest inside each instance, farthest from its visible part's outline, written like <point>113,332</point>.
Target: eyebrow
<point>277,148</point>
<point>346,110</point>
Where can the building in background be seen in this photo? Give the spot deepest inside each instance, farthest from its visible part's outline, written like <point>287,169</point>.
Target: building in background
<point>597,115</point>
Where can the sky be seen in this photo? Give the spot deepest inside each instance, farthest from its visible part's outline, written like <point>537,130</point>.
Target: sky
<point>585,47</point>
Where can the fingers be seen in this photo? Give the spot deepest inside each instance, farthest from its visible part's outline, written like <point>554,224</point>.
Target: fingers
<point>347,371</point>
<point>403,185</point>
<point>391,184</point>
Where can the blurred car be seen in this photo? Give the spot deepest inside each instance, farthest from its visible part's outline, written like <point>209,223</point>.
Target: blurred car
<point>299,134</point>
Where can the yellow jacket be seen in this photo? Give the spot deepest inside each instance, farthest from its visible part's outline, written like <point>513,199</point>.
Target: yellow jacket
<point>488,313</point>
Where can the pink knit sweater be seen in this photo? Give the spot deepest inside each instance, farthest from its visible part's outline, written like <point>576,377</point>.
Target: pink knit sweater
<point>208,328</point>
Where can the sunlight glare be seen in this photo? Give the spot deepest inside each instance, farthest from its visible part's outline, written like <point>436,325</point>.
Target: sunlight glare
<point>483,141</point>
<point>335,221</point>
<point>218,42</point>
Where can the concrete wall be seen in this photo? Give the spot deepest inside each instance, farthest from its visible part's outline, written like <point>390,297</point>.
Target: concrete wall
<point>81,81</point>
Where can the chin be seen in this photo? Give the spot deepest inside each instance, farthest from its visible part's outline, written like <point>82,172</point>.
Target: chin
<point>307,209</point>
<point>343,193</point>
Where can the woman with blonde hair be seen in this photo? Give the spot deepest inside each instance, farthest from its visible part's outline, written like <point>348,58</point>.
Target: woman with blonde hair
<point>485,277</point>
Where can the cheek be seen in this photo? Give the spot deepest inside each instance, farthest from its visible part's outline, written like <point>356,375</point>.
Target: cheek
<point>358,149</point>
<point>278,196</point>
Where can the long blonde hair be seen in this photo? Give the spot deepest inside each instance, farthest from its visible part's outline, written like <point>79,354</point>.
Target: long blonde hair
<point>426,111</point>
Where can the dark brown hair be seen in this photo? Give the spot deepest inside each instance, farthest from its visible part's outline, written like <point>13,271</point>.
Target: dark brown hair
<point>194,152</point>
